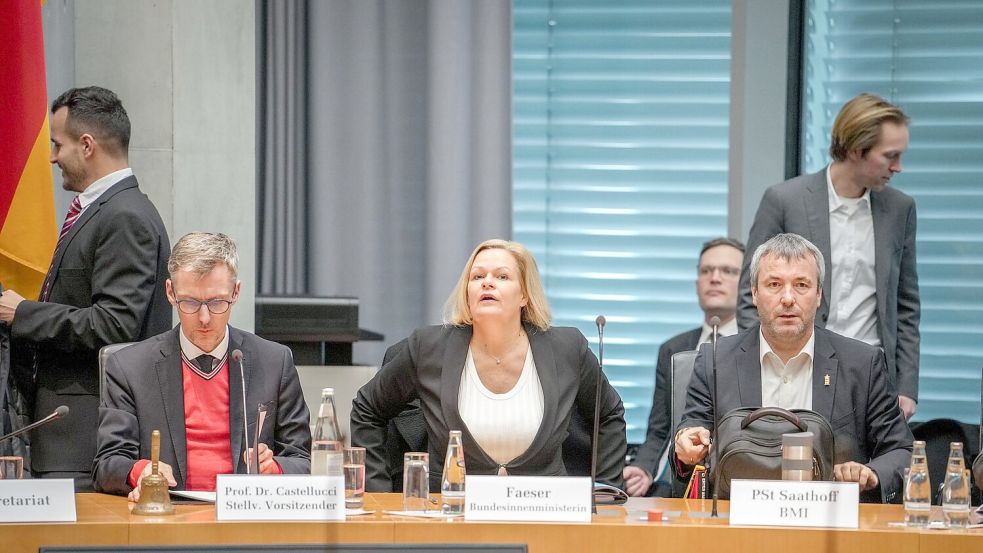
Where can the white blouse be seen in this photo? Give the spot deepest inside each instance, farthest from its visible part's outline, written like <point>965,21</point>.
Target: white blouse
<point>504,425</point>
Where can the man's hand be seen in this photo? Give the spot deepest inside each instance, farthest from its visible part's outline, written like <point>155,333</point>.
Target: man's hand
<point>907,406</point>
<point>9,301</point>
<point>266,463</point>
<point>637,481</point>
<point>852,471</point>
<point>165,471</point>
<point>692,445</point>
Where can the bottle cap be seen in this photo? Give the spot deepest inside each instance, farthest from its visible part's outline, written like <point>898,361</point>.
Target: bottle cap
<point>655,515</point>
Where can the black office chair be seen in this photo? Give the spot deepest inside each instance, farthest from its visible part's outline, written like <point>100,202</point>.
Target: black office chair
<point>937,434</point>
<point>104,354</point>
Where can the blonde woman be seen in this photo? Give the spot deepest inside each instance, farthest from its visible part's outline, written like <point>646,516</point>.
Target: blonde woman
<point>498,372</point>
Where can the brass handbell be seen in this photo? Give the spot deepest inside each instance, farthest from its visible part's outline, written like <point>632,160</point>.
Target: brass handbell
<point>155,499</point>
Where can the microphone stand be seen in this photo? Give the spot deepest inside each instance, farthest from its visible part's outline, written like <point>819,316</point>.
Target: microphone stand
<point>715,323</point>
<point>597,410</point>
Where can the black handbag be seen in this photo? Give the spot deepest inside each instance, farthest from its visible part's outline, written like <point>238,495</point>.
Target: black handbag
<point>749,444</point>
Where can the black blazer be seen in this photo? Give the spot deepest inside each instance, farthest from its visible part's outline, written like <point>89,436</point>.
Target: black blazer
<point>860,402</point>
<point>145,392</point>
<point>109,288</point>
<point>430,370</point>
<point>656,437</point>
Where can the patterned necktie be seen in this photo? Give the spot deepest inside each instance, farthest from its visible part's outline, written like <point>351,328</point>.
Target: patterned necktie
<point>205,363</point>
<point>73,214</point>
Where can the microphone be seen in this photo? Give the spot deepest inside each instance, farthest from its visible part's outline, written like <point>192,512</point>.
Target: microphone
<point>238,358</point>
<point>600,321</point>
<point>58,413</point>
<point>715,325</point>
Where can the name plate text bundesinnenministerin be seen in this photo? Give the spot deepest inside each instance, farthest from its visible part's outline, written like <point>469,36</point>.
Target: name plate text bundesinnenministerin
<point>528,498</point>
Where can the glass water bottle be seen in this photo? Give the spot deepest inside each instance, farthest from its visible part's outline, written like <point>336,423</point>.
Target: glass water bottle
<point>452,482</point>
<point>918,488</point>
<point>955,492</point>
<point>328,445</point>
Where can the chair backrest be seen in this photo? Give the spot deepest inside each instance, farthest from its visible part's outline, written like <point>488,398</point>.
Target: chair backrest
<point>104,354</point>
<point>681,370</point>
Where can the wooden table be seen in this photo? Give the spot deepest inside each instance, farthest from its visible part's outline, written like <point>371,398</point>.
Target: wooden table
<point>104,520</point>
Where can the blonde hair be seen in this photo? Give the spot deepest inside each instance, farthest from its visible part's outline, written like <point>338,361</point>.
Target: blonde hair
<point>858,125</point>
<point>199,253</point>
<point>536,311</point>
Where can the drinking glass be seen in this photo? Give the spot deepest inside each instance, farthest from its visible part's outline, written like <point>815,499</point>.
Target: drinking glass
<point>11,467</point>
<point>354,477</point>
<point>416,481</point>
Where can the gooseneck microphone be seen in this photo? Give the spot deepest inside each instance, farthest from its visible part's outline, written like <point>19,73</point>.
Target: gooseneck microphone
<point>58,413</point>
<point>600,320</point>
<point>715,325</point>
<point>238,358</point>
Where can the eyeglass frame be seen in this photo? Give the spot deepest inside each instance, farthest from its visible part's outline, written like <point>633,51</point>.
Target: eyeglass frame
<point>207,303</point>
<point>725,270</point>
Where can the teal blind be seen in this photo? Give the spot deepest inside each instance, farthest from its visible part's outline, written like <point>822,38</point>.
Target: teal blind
<point>927,57</point>
<point>620,137</point>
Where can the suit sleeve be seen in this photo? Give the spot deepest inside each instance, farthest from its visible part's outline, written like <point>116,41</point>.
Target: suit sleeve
<point>124,276</point>
<point>768,221</point>
<point>978,471</point>
<point>909,313</point>
<point>888,437</point>
<point>612,442</point>
<point>292,435</point>
<point>118,439</point>
<point>381,399</point>
<point>651,450</point>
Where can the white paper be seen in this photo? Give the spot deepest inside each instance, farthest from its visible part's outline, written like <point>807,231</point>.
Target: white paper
<point>207,497</point>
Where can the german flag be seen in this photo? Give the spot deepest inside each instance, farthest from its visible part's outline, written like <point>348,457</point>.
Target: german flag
<point>27,213</point>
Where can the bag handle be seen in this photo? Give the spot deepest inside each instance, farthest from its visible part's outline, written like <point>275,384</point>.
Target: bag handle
<point>776,411</point>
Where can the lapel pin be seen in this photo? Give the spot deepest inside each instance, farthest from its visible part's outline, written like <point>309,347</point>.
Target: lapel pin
<point>826,380</point>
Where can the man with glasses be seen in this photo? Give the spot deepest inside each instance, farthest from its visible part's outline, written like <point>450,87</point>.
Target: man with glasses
<point>188,384</point>
<point>718,271</point>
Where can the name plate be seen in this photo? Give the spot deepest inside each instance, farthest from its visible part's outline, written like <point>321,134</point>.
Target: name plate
<point>792,503</point>
<point>528,498</point>
<point>282,497</point>
<point>41,500</point>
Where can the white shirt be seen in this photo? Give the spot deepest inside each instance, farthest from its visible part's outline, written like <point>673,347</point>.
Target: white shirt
<point>788,386</point>
<point>726,329</point>
<point>853,283</point>
<point>504,425</point>
<point>192,351</point>
<point>96,189</point>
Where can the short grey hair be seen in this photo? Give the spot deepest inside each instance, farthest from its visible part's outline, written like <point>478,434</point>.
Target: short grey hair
<point>199,253</point>
<point>787,246</point>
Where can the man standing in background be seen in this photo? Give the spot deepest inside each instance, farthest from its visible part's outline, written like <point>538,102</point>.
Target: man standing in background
<point>716,288</point>
<point>866,232</point>
<point>105,284</point>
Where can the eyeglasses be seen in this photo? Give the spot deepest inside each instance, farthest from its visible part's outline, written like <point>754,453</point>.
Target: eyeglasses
<point>215,307</point>
<point>726,270</point>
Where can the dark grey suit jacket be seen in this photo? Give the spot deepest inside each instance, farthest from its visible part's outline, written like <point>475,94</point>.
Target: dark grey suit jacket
<point>860,401</point>
<point>109,288</point>
<point>145,392</point>
<point>801,205</point>
<point>657,435</point>
<point>430,370</point>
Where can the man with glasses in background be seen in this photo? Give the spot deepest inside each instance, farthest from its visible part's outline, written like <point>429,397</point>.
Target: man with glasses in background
<point>188,383</point>
<point>718,273</point>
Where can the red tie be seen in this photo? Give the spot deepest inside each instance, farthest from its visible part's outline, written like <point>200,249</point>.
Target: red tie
<point>73,214</point>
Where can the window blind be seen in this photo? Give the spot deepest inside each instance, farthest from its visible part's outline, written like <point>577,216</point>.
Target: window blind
<point>620,138</point>
<point>927,57</point>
